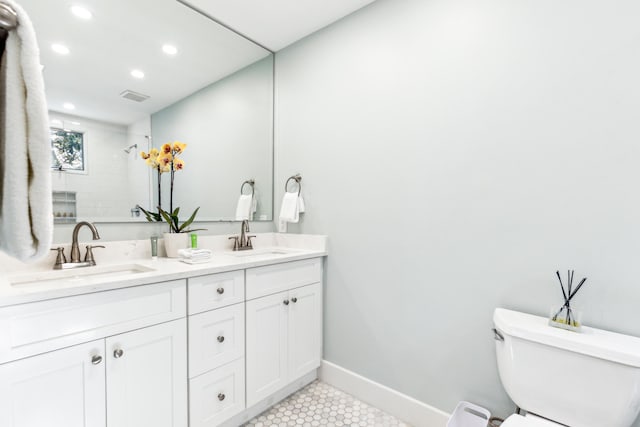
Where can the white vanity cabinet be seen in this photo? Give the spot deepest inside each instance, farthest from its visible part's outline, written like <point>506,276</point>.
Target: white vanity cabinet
<point>284,329</point>
<point>61,388</point>
<point>207,350</point>
<point>146,373</point>
<point>216,348</point>
<point>114,359</point>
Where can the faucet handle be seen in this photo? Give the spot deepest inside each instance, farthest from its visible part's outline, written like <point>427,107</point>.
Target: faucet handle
<point>88,257</point>
<point>60,258</point>
<point>235,242</point>
<point>249,244</point>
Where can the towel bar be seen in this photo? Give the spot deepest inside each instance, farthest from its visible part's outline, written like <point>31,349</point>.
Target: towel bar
<point>297,178</point>
<point>252,183</point>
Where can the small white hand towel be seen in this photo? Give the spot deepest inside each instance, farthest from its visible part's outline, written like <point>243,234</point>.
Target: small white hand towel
<point>290,210</point>
<point>244,207</point>
<point>26,217</point>
<point>195,254</point>
<point>254,207</point>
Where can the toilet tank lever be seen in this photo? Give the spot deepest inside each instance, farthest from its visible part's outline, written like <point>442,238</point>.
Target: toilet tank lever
<point>497,335</point>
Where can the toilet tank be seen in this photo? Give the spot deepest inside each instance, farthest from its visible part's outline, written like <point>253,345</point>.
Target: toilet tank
<point>581,379</point>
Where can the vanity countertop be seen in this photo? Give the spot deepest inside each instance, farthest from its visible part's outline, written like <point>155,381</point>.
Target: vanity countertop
<point>23,286</point>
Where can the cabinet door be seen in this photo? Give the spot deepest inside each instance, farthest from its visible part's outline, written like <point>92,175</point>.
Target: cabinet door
<point>147,377</point>
<point>305,330</point>
<point>266,348</point>
<point>64,388</point>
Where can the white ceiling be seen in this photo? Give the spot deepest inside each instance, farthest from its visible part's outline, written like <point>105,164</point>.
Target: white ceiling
<point>276,24</point>
<point>125,35</point>
<point>128,34</point>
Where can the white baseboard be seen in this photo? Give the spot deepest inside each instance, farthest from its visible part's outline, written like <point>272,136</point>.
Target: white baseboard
<point>399,405</point>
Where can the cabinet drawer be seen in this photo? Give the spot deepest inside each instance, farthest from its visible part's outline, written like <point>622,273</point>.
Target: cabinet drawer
<point>215,291</point>
<point>276,278</point>
<point>217,395</point>
<point>215,338</point>
<point>34,328</point>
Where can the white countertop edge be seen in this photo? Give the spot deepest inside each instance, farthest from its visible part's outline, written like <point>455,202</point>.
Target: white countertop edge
<point>165,269</point>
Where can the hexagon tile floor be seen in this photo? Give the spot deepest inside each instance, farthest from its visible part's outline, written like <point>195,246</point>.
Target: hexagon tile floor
<point>319,404</point>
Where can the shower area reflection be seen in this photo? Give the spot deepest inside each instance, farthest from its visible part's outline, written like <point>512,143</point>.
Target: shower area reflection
<point>114,180</point>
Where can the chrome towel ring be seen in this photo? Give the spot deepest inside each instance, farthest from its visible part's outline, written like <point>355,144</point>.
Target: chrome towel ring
<point>297,178</point>
<point>252,183</point>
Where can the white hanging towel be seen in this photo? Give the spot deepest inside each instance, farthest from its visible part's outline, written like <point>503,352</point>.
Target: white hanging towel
<point>243,208</point>
<point>246,207</point>
<point>26,217</point>
<point>254,207</point>
<point>290,210</point>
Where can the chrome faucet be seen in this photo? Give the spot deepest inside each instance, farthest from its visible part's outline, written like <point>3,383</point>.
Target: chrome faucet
<point>61,260</point>
<point>243,242</point>
<point>75,250</point>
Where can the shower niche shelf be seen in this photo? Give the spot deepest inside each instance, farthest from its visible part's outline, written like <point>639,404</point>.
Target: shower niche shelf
<point>64,207</point>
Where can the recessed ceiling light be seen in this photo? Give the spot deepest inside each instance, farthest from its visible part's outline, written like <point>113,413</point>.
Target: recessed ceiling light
<point>169,49</point>
<point>137,74</point>
<point>81,12</point>
<point>60,48</point>
<point>69,106</point>
<point>56,122</point>
<point>75,123</point>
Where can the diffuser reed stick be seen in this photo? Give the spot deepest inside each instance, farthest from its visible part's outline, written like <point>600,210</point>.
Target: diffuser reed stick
<point>569,321</point>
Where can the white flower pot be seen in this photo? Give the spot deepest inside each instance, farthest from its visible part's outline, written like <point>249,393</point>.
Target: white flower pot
<point>173,242</point>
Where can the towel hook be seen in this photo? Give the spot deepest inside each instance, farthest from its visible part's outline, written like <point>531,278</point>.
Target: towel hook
<point>252,183</point>
<point>8,17</point>
<point>297,178</point>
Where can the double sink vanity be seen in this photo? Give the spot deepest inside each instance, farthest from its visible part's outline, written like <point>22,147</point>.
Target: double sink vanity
<point>136,342</point>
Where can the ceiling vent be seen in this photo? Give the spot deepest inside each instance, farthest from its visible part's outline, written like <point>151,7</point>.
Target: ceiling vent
<point>134,96</point>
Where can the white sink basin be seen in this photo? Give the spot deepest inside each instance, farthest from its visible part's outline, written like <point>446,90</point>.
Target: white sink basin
<point>78,274</point>
<point>263,251</point>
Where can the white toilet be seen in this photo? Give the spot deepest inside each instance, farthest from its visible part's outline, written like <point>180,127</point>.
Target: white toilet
<point>578,379</point>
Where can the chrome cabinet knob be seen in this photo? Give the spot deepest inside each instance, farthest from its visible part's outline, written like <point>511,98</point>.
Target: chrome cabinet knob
<point>285,302</point>
<point>96,359</point>
<point>220,338</point>
<point>220,291</point>
<point>294,300</point>
<point>221,397</point>
<point>118,353</point>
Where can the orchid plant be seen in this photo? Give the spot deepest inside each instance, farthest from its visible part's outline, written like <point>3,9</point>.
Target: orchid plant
<point>166,160</point>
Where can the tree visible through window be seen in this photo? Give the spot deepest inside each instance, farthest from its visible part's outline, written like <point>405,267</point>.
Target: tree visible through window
<point>67,150</point>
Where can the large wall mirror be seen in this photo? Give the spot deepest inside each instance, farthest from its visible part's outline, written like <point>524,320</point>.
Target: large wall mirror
<point>135,75</point>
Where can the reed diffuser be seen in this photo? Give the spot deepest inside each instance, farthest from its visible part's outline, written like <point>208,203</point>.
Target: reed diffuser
<point>565,317</point>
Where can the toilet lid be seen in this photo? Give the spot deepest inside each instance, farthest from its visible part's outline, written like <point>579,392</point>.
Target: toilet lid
<point>516,420</point>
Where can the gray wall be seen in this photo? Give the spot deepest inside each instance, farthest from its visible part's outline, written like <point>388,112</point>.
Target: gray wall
<point>228,128</point>
<point>457,153</point>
